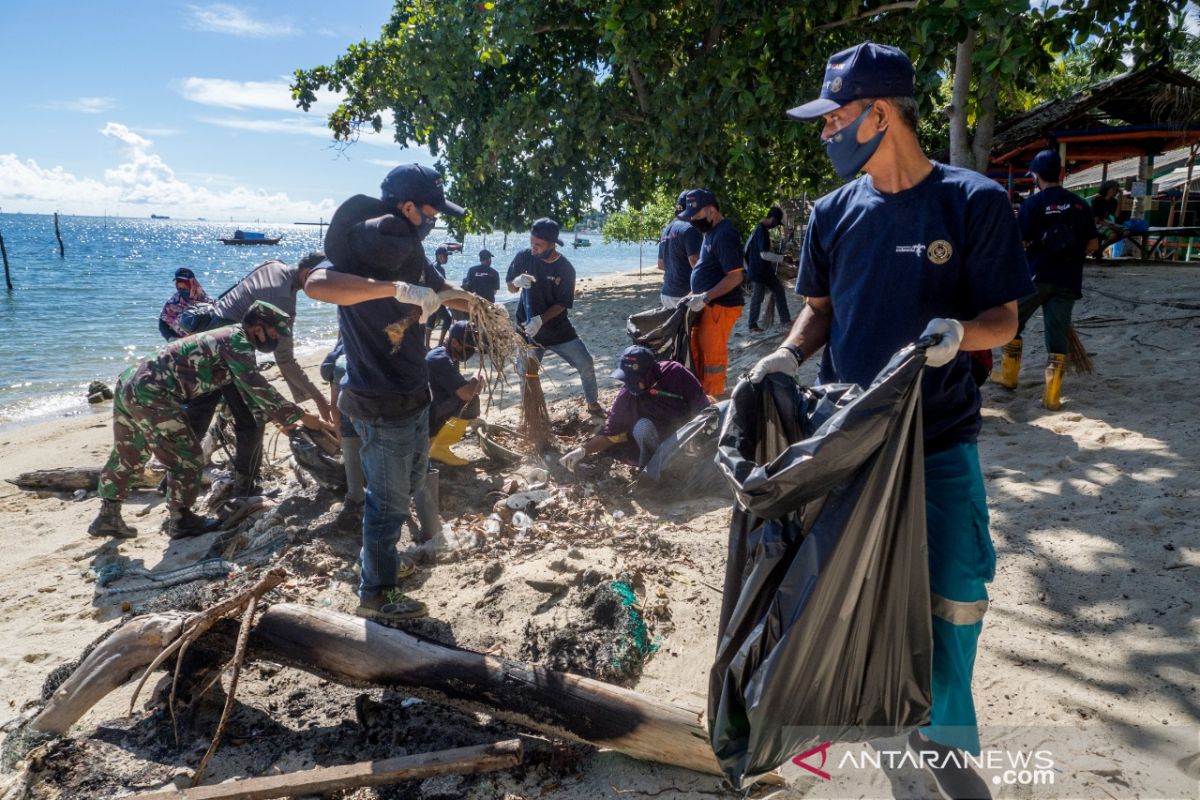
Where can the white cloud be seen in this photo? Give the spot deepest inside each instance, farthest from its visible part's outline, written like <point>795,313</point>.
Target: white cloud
<point>140,184</point>
<point>224,18</point>
<point>242,95</point>
<point>312,126</point>
<point>83,105</point>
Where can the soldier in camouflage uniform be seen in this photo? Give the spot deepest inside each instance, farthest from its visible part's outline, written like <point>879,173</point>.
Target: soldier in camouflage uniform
<point>148,414</point>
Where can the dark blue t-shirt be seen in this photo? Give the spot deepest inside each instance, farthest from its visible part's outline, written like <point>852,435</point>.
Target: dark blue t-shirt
<point>384,379</point>
<point>483,281</point>
<point>1056,225</point>
<point>760,241</point>
<point>720,254</point>
<point>554,284</point>
<point>444,376</point>
<point>947,247</point>
<point>678,242</point>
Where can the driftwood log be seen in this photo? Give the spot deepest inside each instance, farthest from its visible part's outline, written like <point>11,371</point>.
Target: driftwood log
<point>355,652</point>
<point>70,479</point>
<point>460,761</point>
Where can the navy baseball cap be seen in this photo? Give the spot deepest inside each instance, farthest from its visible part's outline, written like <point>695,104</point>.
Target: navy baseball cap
<point>694,201</point>
<point>545,229</point>
<point>681,201</point>
<point>865,70</point>
<point>419,184</point>
<point>462,331</point>
<point>1046,165</point>
<point>635,362</point>
<point>184,274</point>
<point>484,255</point>
<point>441,251</point>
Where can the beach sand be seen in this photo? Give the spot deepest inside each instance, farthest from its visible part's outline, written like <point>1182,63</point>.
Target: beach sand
<point>1090,647</point>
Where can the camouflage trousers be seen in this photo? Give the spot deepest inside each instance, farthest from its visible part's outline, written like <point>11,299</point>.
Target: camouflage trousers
<point>158,426</point>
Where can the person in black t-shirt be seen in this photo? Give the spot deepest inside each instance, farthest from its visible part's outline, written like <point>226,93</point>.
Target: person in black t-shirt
<point>546,281</point>
<point>1058,231</point>
<point>1104,213</point>
<point>482,279</point>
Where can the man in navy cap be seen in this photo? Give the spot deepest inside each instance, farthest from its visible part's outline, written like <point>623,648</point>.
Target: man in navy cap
<point>442,316</point>
<point>1059,232</point>
<point>482,279</point>
<point>716,293</point>
<point>678,252</point>
<point>909,249</point>
<point>546,281</point>
<point>760,269</point>
<point>385,289</point>
<point>657,397</point>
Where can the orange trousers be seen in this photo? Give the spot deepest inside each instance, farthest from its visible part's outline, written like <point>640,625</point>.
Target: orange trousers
<point>710,346</point>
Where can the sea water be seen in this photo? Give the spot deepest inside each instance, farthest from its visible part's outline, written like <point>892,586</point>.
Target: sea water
<point>85,317</point>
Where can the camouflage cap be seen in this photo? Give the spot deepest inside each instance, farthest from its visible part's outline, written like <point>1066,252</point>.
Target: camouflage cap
<point>270,315</point>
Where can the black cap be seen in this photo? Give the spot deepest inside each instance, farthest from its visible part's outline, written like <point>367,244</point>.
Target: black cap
<point>776,213</point>
<point>421,185</point>
<point>441,251</point>
<point>1047,166</point>
<point>865,70</point>
<point>545,229</point>
<point>635,362</point>
<point>681,200</point>
<point>694,202</point>
<point>184,274</point>
<point>461,331</point>
<point>485,254</point>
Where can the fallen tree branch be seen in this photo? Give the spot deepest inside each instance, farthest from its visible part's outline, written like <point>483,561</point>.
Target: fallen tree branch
<point>239,654</point>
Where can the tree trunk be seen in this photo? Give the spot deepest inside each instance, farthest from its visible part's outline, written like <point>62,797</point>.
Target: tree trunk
<point>354,652</point>
<point>960,142</point>
<point>69,479</point>
<point>985,124</point>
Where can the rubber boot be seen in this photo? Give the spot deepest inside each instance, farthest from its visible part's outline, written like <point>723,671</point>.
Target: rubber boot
<point>244,485</point>
<point>1052,394</point>
<point>439,446</point>
<point>184,523</point>
<point>1010,365</point>
<point>428,507</point>
<point>109,523</point>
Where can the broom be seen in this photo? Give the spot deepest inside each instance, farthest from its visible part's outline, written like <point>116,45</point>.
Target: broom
<point>535,418</point>
<point>1077,356</point>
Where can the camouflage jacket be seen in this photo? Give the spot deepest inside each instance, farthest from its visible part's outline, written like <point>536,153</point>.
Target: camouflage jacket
<point>203,363</point>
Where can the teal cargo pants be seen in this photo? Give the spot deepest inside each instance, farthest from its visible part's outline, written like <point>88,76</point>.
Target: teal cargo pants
<point>961,564</point>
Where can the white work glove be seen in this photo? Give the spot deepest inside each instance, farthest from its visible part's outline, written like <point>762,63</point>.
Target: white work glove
<point>421,296</point>
<point>696,302</point>
<point>942,353</point>
<point>571,460</point>
<point>782,360</point>
<point>523,281</point>
<point>533,326</point>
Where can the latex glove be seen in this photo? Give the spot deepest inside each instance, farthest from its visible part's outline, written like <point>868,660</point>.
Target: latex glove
<point>533,326</point>
<point>421,296</point>
<point>782,360</point>
<point>523,281</point>
<point>696,302</point>
<point>571,460</point>
<point>942,353</point>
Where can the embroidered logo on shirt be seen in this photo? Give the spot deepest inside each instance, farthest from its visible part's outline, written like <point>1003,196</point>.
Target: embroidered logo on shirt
<point>916,249</point>
<point>940,252</point>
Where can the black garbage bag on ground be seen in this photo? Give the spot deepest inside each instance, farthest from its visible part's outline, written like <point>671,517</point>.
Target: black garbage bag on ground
<point>666,332</point>
<point>326,469</point>
<point>826,633</point>
<point>685,464</point>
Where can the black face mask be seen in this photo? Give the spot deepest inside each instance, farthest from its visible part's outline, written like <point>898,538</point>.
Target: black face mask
<point>426,226</point>
<point>268,345</point>
<point>702,225</point>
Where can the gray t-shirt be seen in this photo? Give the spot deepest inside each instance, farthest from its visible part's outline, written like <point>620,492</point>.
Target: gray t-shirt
<point>273,281</point>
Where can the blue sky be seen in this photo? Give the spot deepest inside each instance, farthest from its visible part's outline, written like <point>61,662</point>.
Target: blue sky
<point>179,108</point>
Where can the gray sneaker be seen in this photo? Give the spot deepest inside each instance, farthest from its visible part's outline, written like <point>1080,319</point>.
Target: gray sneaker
<point>955,779</point>
<point>390,606</point>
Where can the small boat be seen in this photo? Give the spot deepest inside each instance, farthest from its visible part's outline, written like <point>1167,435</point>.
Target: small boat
<point>159,216</point>
<point>453,247</point>
<point>251,237</point>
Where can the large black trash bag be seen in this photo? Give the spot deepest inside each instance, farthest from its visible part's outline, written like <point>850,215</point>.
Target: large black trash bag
<point>685,464</point>
<point>826,632</point>
<point>665,332</point>
<point>327,470</point>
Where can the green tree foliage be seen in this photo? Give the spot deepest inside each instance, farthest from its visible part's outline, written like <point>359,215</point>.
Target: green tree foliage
<point>534,108</point>
<point>641,224</point>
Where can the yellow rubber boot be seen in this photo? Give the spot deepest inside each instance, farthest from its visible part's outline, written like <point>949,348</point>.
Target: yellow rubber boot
<point>451,433</point>
<point>1052,394</point>
<point>1010,365</point>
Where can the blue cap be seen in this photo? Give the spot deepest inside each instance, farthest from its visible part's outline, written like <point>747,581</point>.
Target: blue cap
<point>865,70</point>
<point>421,185</point>
<point>681,201</point>
<point>635,362</point>
<point>441,251</point>
<point>1046,165</point>
<point>694,201</point>
<point>545,229</point>
<point>462,331</point>
<point>485,254</point>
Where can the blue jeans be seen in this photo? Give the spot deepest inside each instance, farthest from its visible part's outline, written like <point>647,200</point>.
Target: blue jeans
<point>394,456</point>
<point>576,354</point>
<point>759,288</point>
<point>961,564</point>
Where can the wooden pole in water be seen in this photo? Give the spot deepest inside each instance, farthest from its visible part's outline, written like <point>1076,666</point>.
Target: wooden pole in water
<point>4,253</point>
<point>62,253</point>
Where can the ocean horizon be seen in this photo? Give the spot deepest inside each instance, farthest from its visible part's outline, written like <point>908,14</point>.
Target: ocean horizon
<point>70,321</point>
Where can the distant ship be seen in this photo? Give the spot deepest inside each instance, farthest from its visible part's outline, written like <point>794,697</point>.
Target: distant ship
<point>158,216</point>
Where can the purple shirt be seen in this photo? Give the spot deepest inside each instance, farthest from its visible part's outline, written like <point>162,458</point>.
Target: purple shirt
<point>674,397</point>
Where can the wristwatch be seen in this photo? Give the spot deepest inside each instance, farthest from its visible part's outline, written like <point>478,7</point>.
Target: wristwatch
<point>795,351</point>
